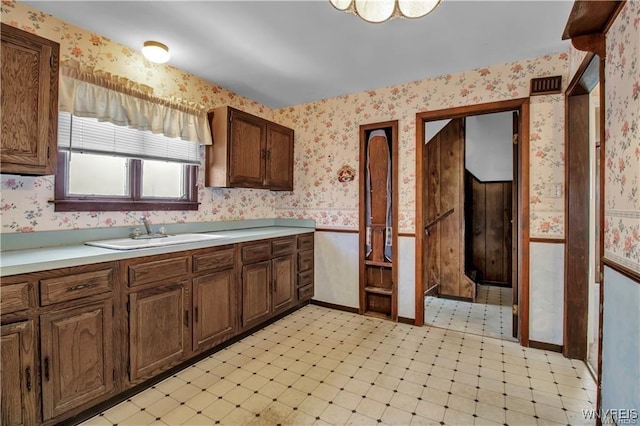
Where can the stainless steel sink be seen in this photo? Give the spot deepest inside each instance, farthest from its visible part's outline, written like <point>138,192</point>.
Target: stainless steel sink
<point>132,244</point>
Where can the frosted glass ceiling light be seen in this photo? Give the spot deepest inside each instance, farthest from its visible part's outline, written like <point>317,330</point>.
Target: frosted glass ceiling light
<point>377,11</point>
<point>155,52</point>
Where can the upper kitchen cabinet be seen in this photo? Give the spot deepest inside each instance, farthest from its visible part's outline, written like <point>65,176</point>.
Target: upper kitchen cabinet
<point>29,86</point>
<point>248,152</point>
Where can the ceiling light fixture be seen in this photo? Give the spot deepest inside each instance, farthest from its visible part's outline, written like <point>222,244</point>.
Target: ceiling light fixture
<point>155,52</point>
<point>377,11</point>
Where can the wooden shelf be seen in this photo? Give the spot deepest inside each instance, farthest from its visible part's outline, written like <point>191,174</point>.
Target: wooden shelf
<point>378,190</point>
<point>379,290</point>
<point>382,264</point>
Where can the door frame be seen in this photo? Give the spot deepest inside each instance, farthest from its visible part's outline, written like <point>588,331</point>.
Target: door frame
<point>522,106</point>
<point>576,282</point>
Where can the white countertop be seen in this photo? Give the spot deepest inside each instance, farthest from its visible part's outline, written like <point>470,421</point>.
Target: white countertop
<point>33,260</point>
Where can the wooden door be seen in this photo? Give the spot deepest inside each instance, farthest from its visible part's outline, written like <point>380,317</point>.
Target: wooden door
<point>247,149</point>
<point>515,284</point>
<point>283,282</point>
<point>444,213</point>
<point>214,308</point>
<point>29,85</point>
<point>18,375</point>
<point>279,164</point>
<point>256,293</point>
<point>76,357</point>
<point>158,324</point>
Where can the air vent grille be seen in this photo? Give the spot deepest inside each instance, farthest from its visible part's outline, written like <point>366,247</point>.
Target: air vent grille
<point>546,85</point>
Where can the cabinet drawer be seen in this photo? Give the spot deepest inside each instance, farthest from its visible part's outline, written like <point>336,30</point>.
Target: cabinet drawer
<point>256,252</point>
<point>305,242</point>
<point>55,290</point>
<point>305,260</point>
<point>283,246</point>
<point>158,270</point>
<point>216,260</point>
<point>305,278</point>
<point>15,297</point>
<point>305,293</point>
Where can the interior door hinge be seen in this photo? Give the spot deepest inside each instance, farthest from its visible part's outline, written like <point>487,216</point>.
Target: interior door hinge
<point>515,139</point>
<point>515,309</point>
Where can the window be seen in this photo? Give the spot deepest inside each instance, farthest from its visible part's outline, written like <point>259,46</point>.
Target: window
<point>104,167</point>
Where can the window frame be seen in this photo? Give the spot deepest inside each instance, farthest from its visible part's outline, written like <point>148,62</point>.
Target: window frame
<point>134,202</point>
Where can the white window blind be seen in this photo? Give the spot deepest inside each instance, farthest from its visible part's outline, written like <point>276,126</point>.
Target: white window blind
<point>88,135</point>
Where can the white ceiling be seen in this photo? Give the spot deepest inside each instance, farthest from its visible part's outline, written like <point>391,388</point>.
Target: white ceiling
<point>283,53</point>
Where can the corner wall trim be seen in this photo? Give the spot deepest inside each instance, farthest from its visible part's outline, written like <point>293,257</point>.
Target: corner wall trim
<point>337,230</point>
<point>547,240</point>
<point>629,273</point>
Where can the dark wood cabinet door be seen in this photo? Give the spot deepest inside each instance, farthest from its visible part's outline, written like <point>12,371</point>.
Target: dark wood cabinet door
<point>18,375</point>
<point>247,149</point>
<point>29,118</point>
<point>283,282</point>
<point>214,309</point>
<point>279,164</point>
<point>158,328</point>
<point>76,356</point>
<point>256,293</point>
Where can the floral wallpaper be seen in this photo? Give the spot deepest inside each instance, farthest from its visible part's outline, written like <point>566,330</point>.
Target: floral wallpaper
<point>622,115</point>
<point>25,200</point>
<point>327,137</point>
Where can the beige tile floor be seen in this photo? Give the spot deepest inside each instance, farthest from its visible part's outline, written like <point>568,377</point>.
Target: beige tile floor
<point>490,315</point>
<point>326,367</point>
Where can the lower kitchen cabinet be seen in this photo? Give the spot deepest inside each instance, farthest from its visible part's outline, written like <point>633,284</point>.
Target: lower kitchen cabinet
<point>283,282</point>
<point>215,309</point>
<point>18,375</point>
<point>256,293</point>
<point>75,337</point>
<point>76,356</point>
<point>158,328</point>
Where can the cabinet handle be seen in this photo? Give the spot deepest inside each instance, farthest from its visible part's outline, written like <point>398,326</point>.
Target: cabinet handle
<point>264,154</point>
<point>195,314</point>
<point>269,154</point>
<point>82,286</point>
<point>186,318</point>
<point>27,373</point>
<point>46,368</point>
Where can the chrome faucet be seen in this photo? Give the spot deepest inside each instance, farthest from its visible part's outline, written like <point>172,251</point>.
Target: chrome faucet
<point>146,225</point>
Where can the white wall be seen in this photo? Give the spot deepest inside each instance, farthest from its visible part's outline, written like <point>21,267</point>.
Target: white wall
<point>407,277</point>
<point>336,271</point>
<point>620,347</point>
<point>546,293</point>
<point>336,268</point>
<point>432,128</point>
<point>489,146</point>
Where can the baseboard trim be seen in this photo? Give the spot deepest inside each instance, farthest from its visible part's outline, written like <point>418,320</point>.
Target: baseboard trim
<point>406,320</point>
<point>334,306</point>
<point>461,299</point>
<point>545,346</point>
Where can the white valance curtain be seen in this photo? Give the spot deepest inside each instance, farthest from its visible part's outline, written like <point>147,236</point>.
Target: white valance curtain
<point>85,92</point>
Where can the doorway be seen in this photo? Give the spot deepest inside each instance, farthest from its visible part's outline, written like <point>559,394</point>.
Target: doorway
<point>444,266</point>
<point>584,244</point>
